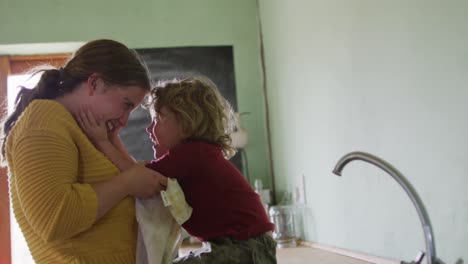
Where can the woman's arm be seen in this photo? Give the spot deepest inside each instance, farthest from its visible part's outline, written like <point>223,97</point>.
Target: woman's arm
<point>129,182</point>
<point>45,170</point>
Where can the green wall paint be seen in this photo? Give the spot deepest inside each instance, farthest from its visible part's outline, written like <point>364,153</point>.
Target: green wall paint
<point>386,77</point>
<point>29,27</point>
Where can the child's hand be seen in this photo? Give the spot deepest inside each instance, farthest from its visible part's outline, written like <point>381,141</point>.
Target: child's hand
<point>113,133</point>
<point>95,128</point>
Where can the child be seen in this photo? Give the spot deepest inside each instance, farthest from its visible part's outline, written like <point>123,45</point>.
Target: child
<point>190,132</point>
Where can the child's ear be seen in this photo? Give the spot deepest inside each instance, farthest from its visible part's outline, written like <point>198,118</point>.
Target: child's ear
<point>186,133</point>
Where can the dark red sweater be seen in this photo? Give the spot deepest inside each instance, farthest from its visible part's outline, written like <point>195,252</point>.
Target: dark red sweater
<point>223,202</point>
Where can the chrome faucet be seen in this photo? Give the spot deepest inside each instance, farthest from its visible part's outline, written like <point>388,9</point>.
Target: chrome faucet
<point>392,171</point>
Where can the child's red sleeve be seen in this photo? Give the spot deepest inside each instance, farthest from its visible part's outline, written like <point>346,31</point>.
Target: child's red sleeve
<point>175,163</point>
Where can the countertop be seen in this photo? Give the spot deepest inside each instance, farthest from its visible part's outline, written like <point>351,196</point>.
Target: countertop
<point>297,255</point>
<point>304,254</point>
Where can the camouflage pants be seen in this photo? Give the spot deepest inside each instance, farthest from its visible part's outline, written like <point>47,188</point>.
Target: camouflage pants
<point>257,250</point>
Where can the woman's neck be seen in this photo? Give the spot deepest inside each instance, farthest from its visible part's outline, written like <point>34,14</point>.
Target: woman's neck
<point>73,101</point>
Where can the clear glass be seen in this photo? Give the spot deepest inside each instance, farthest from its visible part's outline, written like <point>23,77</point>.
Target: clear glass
<point>284,218</point>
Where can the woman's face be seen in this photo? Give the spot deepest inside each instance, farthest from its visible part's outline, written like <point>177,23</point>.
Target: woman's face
<point>114,103</point>
<point>165,130</point>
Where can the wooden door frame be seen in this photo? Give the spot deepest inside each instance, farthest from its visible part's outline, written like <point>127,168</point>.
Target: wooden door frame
<point>12,65</point>
<point>5,239</point>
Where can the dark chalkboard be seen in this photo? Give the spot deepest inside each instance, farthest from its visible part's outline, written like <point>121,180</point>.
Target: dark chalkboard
<point>214,62</point>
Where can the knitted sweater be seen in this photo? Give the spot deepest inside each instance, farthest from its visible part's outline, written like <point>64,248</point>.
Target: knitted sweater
<point>51,165</point>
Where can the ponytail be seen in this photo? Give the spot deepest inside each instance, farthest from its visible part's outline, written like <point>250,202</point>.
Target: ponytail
<point>48,87</point>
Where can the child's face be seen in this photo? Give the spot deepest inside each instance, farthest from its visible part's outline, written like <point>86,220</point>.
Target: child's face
<point>165,130</point>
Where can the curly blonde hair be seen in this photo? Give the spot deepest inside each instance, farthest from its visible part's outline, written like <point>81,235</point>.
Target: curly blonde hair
<point>199,107</point>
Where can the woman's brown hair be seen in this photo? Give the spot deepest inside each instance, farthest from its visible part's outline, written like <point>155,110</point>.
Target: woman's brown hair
<point>111,60</point>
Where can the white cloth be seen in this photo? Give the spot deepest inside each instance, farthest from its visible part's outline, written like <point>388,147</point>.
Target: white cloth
<point>159,234</point>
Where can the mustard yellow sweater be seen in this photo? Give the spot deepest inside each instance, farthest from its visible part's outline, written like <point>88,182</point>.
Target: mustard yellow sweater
<point>51,166</point>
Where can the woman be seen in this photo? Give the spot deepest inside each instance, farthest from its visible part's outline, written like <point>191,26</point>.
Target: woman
<point>71,203</point>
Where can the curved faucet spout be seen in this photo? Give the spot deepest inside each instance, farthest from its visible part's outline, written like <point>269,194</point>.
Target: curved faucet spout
<point>410,191</point>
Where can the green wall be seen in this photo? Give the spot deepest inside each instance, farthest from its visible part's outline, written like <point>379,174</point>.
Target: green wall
<point>49,26</point>
<point>386,77</point>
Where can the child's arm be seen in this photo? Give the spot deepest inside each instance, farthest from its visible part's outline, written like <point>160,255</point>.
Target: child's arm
<point>117,142</point>
<point>103,138</point>
<point>113,134</point>
<point>177,163</point>
<point>120,160</point>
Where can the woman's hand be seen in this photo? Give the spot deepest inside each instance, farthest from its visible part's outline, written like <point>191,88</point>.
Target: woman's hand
<point>143,182</point>
<point>95,128</point>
